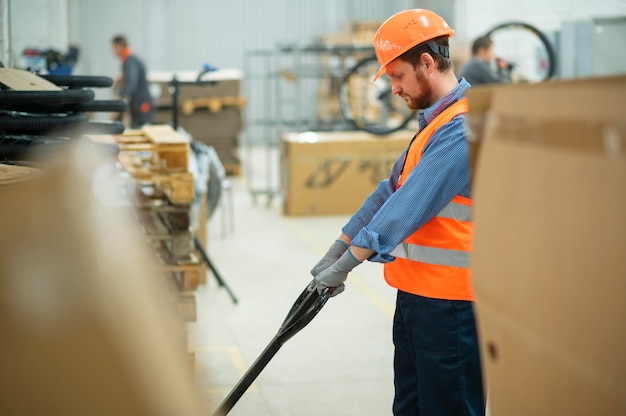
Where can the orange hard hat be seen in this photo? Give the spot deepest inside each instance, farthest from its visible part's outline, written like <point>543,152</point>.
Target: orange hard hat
<point>404,30</point>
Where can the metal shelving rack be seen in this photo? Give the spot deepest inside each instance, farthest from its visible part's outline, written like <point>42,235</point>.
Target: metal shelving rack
<point>282,87</point>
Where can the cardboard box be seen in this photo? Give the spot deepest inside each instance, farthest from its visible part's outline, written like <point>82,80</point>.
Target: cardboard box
<point>88,324</point>
<point>227,82</point>
<point>333,172</point>
<point>549,263</point>
<point>480,104</point>
<point>206,126</point>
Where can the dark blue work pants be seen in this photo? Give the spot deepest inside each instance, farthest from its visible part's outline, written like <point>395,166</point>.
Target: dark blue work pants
<point>436,363</point>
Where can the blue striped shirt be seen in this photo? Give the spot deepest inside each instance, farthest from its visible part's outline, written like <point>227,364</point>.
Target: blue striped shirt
<point>389,215</point>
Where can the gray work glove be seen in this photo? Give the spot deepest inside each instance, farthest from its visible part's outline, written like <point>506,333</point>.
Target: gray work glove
<point>335,275</point>
<point>332,255</point>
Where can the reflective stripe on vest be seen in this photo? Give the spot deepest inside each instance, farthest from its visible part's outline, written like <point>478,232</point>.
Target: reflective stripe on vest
<point>431,255</point>
<point>434,260</point>
<point>435,255</point>
<point>456,211</point>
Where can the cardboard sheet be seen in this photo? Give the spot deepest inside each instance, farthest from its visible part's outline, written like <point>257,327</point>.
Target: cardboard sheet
<point>549,261</point>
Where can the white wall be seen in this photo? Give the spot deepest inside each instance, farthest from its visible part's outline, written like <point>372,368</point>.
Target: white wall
<point>475,17</point>
<point>183,34</point>
<point>180,34</point>
<point>38,24</point>
<point>4,33</point>
<point>557,19</point>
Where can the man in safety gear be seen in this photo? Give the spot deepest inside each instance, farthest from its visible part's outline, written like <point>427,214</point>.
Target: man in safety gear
<point>418,223</point>
<point>133,83</point>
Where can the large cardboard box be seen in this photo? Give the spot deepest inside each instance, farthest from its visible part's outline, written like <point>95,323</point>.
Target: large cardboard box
<point>333,172</point>
<point>210,127</point>
<point>223,82</point>
<point>549,260</point>
<point>480,104</point>
<point>87,322</point>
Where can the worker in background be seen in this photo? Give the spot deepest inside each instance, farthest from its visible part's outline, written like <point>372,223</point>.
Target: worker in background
<point>479,69</point>
<point>133,85</point>
<point>418,223</point>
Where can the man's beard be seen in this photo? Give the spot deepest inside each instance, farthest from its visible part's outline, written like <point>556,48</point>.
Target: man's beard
<point>423,100</point>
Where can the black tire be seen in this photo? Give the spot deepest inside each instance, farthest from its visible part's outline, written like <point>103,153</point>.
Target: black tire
<point>41,124</point>
<point>525,47</point>
<point>80,81</point>
<point>32,139</point>
<point>104,106</point>
<point>15,148</point>
<point>10,98</point>
<point>112,106</point>
<point>371,106</point>
<point>104,127</point>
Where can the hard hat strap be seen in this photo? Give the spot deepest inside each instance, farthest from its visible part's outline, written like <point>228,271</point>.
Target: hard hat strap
<point>439,49</point>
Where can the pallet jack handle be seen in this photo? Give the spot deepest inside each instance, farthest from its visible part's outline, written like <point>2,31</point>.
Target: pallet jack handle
<point>304,309</point>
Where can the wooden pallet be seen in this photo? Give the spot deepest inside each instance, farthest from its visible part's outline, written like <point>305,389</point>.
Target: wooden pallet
<point>155,165</point>
<point>158,157</point>
<point>232,169</point>
<point>213,104</point>
<point>187,275</point>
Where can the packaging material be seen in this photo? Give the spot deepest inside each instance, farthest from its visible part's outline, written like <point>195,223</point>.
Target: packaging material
<point>480,104</point>
<point>87,324</point>
<point>223,82</point>
<point>333,172</point>
<point>209,127</point>
<point>549,263</point>
<point>20,80</point>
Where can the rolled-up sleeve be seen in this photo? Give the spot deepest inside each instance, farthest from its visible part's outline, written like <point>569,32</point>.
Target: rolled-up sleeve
<point>391,214</point>
<point>442,173</point>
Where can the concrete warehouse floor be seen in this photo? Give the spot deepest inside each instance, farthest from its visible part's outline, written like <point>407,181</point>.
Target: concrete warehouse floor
<point>338,365</point>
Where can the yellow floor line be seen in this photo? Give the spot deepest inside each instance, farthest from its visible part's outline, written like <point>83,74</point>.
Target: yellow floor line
<point>237,359</point>
<point>365,289</point>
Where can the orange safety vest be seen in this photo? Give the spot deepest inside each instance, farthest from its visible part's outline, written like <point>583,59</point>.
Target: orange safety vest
<point>434,260</point>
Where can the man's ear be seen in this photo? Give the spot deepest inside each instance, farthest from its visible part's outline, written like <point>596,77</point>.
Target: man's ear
<point>428,62</point>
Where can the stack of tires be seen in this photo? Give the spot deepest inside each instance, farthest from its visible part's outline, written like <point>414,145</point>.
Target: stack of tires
<point>40,122</point>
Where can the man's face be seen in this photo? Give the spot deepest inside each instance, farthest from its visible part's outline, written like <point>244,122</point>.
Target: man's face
<point>117,49</point>
<point>490,53</point>
<point>487,53</point>
<point>410,84</point>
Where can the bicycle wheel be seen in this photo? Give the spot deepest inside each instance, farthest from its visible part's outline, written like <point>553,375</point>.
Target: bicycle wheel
<point>526,49</point>
<point>371,106</point>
